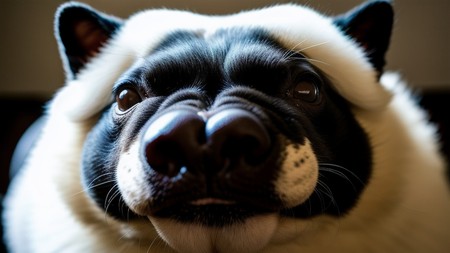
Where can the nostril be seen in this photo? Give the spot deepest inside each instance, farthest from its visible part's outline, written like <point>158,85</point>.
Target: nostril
<point>237,136</point>
<point>164,157</point>
<point>173,141</point>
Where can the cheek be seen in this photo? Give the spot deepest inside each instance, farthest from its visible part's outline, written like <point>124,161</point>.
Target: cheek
<point>298,176</point>
<point>132,180</point>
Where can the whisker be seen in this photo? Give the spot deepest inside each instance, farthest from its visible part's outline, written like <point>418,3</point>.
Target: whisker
<point>312,46</point>
<point>100,176</point>
<point>327,191</point>
<point>114,191</point>
<point>93,186</point>
<point>340,174</point>
<point>330,166</point>
<point>336,172</point>
<point>288,54</point>
<point>151,244</point>
<point>315,60</point>
<point>300,51</point>
<point>319,196</point>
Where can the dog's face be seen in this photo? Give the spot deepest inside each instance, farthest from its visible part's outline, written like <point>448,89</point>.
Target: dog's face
<point>215,133</point>
<point>218,130</point>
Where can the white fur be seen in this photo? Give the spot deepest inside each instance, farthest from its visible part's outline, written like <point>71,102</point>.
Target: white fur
<point>405,207</point>
<point>132,180</point>
<point>250,236</point>
<point>298,175</point>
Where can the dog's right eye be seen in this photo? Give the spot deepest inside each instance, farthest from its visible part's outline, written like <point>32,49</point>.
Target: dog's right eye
<point>127,98</point>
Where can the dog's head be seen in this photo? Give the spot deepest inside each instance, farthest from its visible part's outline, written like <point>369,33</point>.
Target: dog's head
<point>217,128</point>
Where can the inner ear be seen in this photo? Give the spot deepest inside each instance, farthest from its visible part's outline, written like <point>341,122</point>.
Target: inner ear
<point>81,31</point>
<point>370,25</point>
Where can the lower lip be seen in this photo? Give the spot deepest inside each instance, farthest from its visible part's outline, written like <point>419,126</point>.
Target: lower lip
<point>211,201</point>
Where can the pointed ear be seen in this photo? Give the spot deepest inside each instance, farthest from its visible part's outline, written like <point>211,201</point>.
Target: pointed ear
<point>370,25</point>
<point>81,31</point>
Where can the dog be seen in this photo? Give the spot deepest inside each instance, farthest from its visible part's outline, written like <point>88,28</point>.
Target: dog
<point>270,130</point>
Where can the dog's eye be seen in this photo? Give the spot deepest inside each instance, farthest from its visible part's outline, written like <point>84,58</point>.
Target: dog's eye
<point>307,91</point>
<point>127,98</point>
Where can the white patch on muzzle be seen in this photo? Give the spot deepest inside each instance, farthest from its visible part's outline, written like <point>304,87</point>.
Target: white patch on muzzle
<point>131,179</point>
<point>299,174</point>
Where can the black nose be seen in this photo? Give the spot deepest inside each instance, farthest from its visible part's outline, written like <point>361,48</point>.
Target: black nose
<point>183,140</point>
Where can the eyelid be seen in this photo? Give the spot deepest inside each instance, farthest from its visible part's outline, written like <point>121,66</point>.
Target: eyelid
<point>307,71</point>
<point>118,87</point>
<point>126,84</point>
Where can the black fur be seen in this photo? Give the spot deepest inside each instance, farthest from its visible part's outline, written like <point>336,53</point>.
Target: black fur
<point>370,24</point>
<point>80,32</point>
<point>242,69</point>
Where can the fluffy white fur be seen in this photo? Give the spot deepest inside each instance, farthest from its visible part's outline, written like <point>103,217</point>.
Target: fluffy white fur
<point>405,207</point>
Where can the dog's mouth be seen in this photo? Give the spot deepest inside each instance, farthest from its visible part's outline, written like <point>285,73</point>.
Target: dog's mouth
<point>211,201</point>
<point>216,201</point>
<point>211,212</point>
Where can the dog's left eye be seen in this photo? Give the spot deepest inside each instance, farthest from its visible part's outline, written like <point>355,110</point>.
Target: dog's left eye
<point>307,91</point>
<point>127,98</point>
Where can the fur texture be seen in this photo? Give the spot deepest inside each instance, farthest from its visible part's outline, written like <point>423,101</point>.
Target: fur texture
<point>404,206</point>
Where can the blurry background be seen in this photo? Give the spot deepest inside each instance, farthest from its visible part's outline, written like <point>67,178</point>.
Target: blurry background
<point>30,65</point>
<point>30,68</point>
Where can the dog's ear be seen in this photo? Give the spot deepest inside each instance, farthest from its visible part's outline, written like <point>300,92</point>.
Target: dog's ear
<point>370,25</point>
<point>81,31</point>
